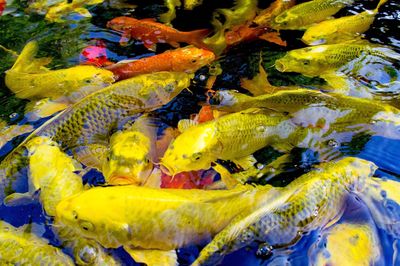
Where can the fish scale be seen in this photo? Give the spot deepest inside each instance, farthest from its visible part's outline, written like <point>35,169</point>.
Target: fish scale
<point>92,119</point>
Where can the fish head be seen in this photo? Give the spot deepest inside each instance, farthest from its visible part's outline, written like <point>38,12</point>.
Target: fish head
<point>92,76</point>
<point>304,61</point>
<point>121,23</point>
<point>193,58</point>
<point>129,159</point>
<point>318,35</point>
<point>191,150</point>
<point>88,252</point>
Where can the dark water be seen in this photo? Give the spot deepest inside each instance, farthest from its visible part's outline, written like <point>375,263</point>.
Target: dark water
<point>65,41</point>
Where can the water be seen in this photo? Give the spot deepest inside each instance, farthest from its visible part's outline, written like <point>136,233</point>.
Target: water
<point>65,41</point>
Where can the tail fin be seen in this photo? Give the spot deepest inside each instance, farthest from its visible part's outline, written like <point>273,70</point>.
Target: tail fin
<point>381,2</point>
<point>196,38</point>
<point>26,61</point>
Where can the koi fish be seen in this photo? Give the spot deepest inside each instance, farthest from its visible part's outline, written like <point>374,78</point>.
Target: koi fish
<point>151,32</point>
<point>187,59</point>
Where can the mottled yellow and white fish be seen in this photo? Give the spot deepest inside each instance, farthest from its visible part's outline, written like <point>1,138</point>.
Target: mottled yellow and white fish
<point>347,244</point>
<point>29,79</point>
<point>18,247</point>
<point>54,174</point>
<point>317,60</point>
<point>89,123</point>
<point>56,12</point>
<point>311,202</point>
<point>156,221</point>
<point>305,14</point>
<point>229,137</point>
<point>341,29</point>
<point>131,154</point>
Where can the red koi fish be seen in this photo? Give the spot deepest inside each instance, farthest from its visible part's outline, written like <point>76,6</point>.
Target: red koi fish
<point>187,59</point>
<point>95,55</point>
<point>151,32</point>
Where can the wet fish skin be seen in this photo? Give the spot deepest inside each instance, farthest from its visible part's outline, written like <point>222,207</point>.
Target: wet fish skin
<point>56,12</point>
<point>299,16</point>
<point>317,60</point>
<point>91,120</point>
<point>23,248</point>
<point>340,29</point>
<point>187,59</point>
<point>148,218</point>
<point>229,137</point>
<point>310,202</point>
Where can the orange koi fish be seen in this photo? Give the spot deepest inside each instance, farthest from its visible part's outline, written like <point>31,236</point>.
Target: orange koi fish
<point>3,4</point>
<point>151,32</point>
<point>187,59</point>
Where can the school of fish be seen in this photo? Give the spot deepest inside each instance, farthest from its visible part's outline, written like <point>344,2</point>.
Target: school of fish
<point>200,182</point>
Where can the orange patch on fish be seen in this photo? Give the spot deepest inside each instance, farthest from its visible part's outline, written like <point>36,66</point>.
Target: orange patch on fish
<point>151,32</point>
<point>205,114</point>
<point>188,59</point>
<point>273,37</point>
<point>243,33</point>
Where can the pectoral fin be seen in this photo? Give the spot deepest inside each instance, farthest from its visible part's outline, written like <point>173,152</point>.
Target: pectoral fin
<point>153,257</point>
<point>185,124</point>
<point>246,162</point>
<point>43,108</point>
<point>19,199</point>
<point>226,176</point>
<point>92,155</point>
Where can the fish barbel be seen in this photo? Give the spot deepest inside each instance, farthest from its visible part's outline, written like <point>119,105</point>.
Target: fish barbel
<point>312,201</point>
<point>307,13</point>
<point>156,219</point>
<point>18,247</point>
<point>90,121</point>
<point>229,137</point>
<point>317,60</point>
<point>340,29</point>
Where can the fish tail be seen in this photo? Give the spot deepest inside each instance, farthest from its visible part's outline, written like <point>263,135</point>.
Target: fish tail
<point>381,2</point>
<point>196,38</point>
<point>26,61</point>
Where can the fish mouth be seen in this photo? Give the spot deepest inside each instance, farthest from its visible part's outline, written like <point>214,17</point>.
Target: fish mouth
<point>280,66</point>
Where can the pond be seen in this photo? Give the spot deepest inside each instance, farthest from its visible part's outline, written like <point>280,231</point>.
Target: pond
<point>238,130</point>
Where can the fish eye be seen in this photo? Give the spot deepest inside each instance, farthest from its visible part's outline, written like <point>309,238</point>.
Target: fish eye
<point>306,62</point>
<point>87,226</point>
<point>194,60</point>
<point>87,81</point>
<point>87,255</point>
<point>196,156</point>
<point>75,215</point>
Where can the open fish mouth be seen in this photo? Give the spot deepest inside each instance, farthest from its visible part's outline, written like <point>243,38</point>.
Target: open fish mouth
<point>280,66</point>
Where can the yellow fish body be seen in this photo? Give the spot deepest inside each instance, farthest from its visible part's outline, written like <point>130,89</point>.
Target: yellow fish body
<point>312,201</point>
<point>349,244</point>
<point>317,60</point>
<point>56,12</point>
<point>156,219</point>
<point>340,29</point>
<point>29,79</point>
<point>300,16</point>
<point>131,154</point>
<point>229,137</point>
<point>18,247</point>
<point>53,173</point>
<point>90,121</point>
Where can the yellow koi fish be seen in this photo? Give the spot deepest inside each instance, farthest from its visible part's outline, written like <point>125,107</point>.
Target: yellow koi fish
<point>29,79</point>
<point>341,29</point>
<point>349,244</point>
<point>299,16</point>
<point>18,247</point>
<point>58,11</point>
<point>312,201</point>
<point>155,221</point>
